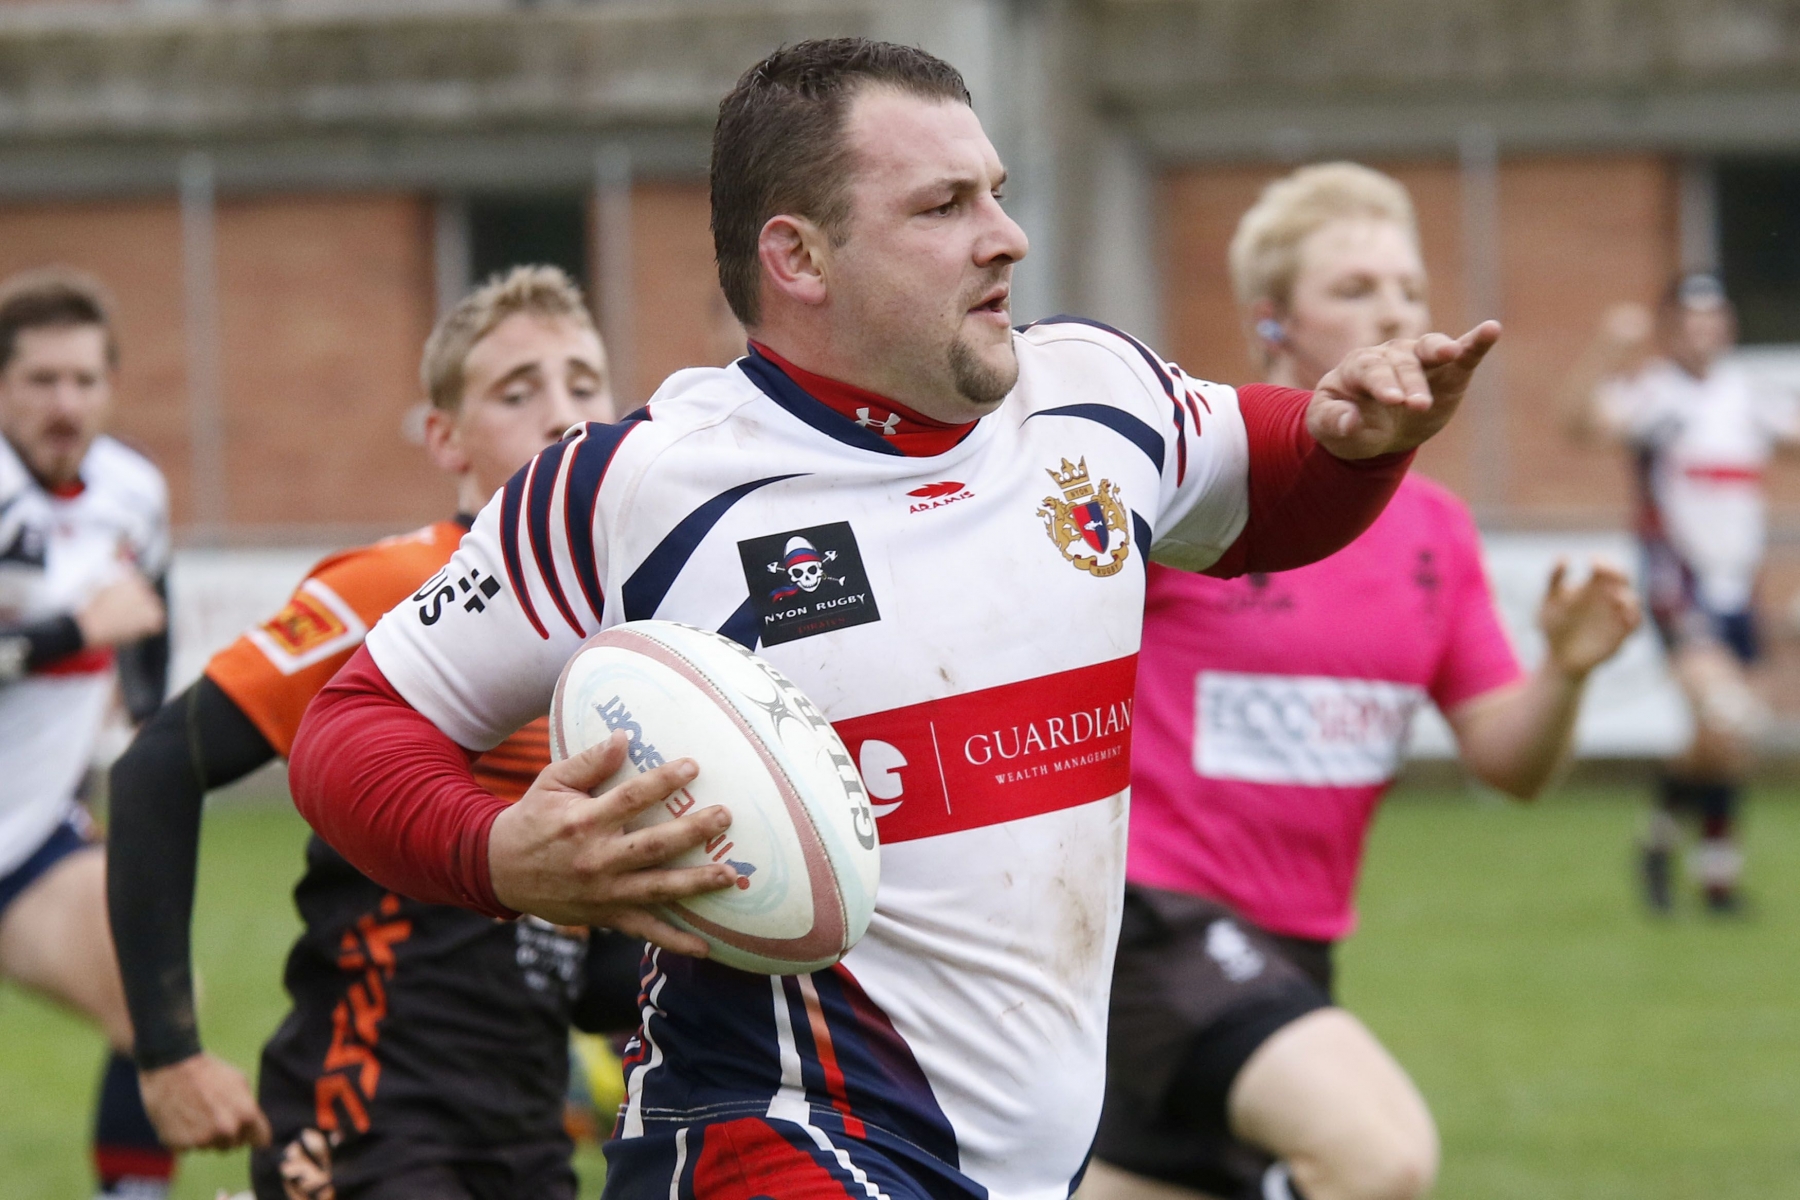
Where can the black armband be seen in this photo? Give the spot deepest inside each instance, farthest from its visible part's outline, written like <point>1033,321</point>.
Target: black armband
<point>29,647</point>
<point>197,741</point>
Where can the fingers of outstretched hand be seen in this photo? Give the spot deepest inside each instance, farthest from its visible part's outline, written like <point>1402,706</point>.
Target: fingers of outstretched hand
<point>1373,373</point>
<point>1475,344</point>
<point>1559,575</point>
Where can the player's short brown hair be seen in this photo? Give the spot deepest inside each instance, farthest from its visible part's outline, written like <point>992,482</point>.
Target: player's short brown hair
<point>53,297</point>
<point>779,144</point>
<point>538,290</point>
<point>1265,251</point>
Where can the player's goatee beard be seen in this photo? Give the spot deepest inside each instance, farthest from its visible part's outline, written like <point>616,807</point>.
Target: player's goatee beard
<point>978,382</point>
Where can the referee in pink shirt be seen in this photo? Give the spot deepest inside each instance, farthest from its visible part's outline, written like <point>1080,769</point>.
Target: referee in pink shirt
<point>1272,713</point>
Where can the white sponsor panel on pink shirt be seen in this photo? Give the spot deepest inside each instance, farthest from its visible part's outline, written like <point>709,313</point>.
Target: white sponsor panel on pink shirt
<point>1310,730</point>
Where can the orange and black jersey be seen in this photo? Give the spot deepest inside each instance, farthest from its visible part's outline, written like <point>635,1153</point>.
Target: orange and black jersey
<point>436,1025</point>
<point>273,671</point>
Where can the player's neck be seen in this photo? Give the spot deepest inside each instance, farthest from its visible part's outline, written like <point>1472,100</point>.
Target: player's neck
<point>854,363</point>
<point>911,432</point>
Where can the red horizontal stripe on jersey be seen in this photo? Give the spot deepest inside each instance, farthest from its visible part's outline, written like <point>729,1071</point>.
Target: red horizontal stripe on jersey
<point>1724,474</point>
<point>91,661</point>
<point>1000,754</point>
<point>911,433</point>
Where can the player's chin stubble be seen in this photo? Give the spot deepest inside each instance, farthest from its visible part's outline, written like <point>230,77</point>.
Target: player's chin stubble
<point>978,382</point>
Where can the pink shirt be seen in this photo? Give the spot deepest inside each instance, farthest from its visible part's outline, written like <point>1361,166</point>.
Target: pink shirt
<point>1272,710</point>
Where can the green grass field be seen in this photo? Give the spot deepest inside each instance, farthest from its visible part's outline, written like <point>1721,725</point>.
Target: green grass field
<point>1570,1046</point>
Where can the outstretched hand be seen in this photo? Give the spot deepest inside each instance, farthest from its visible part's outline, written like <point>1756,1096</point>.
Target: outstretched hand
<point>1584,626</point>
<point>1390,398</point>
<point>564,854</point>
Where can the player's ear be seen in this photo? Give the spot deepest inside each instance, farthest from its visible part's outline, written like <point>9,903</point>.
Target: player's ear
<point>443,441</point>
<point>793,251</point>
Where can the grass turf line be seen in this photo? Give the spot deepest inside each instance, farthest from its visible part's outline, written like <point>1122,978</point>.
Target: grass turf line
<point>1569,1045</point>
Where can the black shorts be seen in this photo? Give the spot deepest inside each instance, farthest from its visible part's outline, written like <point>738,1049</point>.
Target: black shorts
<point>1196,990</point>
<point>386,1168</point>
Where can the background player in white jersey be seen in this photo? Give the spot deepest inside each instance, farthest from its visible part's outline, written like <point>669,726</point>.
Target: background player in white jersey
<point>83,533</point>
<point>1700,430</point>
<point>958,1051</point>
<point>1268,727</point>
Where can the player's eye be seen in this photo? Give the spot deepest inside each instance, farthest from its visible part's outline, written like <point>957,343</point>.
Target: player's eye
<point>944,209</point>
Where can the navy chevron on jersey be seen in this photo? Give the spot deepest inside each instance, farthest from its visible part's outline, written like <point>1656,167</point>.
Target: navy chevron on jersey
<point>970,620</point>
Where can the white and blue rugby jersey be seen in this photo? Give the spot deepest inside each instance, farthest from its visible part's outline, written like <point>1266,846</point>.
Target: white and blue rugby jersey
<point>970,623</point>
<point>56,551</point>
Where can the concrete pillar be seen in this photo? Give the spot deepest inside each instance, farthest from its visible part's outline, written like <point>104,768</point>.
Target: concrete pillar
<point>200,288</point>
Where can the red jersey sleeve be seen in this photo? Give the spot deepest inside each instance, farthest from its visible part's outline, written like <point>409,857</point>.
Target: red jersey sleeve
<point>1305,502</point>
<point>392,793</point>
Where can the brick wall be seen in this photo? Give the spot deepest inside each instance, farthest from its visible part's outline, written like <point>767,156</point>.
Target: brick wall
<point>680,318</point>
<point>1576,234</point>
<point>323,302</point>
<point>135,247</point>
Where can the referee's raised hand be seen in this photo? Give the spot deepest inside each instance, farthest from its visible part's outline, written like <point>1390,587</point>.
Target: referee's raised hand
<point>1390,398</point>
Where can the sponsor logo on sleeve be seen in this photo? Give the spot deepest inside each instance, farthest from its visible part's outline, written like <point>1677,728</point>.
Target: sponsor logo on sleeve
<point>315,625</point>
<point>805,582</point>
<point>1313,731</point>
<point>472,590</point>
<point>1089,524</point>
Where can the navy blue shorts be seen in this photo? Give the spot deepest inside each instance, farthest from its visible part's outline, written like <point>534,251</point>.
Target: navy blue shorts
<point>63,841</point>
<point>754,1157</point>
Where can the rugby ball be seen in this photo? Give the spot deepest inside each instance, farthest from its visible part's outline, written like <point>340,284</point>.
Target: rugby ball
<point>802,835</point>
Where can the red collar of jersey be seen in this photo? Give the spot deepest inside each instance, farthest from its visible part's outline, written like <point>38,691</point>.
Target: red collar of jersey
<point>912,434</point>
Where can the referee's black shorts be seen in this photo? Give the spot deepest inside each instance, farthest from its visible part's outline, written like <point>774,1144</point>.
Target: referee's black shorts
<point>1196,989</point>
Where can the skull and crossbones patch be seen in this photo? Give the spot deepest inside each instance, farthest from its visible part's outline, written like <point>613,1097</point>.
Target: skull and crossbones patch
<point>806,581</point>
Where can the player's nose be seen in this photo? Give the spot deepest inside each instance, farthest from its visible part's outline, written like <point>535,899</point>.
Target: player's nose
<point>1003,241</point>
<point>561,410</point>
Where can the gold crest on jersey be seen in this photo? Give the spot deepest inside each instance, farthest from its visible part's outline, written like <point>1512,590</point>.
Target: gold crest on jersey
<point>1088,524</point>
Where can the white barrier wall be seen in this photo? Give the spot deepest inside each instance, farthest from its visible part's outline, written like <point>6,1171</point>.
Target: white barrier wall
<point>1632,708</point>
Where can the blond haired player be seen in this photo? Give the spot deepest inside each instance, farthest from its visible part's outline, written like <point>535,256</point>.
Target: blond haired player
<point>426,1049</point>
<point>1272,713</point>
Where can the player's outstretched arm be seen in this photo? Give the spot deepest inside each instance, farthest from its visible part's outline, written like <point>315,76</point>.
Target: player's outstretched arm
<point>564,854</point>
<point>1516,738</point>
<point>197,741</point>
<point>1391,398</point>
